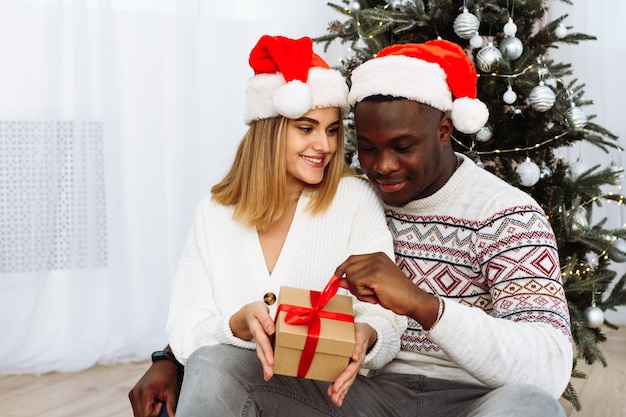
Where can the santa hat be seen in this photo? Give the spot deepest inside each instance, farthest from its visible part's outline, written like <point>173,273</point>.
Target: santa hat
<point>432,73</point>
<point>290,79</point>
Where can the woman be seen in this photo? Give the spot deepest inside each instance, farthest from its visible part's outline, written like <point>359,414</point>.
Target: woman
<point>288,212</point>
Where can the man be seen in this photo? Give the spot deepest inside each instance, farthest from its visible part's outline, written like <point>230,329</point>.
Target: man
<point>488,326</point>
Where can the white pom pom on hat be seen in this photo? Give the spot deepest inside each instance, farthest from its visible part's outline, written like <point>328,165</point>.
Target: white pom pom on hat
<point>432,73</point>
<point>290,79</point>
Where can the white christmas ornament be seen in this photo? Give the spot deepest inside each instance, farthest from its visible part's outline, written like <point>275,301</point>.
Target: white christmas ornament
<point>577,117</point>
<point>509,96</point>
<point>484,134</point>
<point>511,47</point>
<point>528,173</point>
<point>542,97</point>
<point>560,32</point>
<point>594,316</point>
<point>510,28</point>
<point>577,169</point>
<point>354,5</point>
<point>466,24</point>
<point>617,250</point>
<point>476,41</point>
<point>488,57</point>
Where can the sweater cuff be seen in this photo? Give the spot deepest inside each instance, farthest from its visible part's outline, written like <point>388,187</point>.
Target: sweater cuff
<point>225,335</point>
<point>384,349</point>
<point>451,326</point>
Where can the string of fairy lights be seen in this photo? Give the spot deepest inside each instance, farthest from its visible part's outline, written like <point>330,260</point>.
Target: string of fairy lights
<point>466,26</point>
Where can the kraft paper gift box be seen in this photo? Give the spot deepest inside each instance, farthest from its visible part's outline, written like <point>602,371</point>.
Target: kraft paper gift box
<point>298,351</point>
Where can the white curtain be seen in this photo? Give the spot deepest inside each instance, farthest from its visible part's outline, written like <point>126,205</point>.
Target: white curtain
<point>115,120</point>
<point>600,66</point>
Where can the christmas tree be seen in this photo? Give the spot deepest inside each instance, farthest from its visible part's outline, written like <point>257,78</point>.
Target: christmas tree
<point>536,107</point>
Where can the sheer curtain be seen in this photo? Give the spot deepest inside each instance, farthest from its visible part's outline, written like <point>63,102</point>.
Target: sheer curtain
<point>600,66</point>
<point>115,120</point>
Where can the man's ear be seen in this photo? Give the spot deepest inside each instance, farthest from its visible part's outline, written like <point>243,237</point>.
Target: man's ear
<point>445,129</point>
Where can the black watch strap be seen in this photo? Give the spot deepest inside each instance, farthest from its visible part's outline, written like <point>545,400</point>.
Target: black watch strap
<point>165,355</point>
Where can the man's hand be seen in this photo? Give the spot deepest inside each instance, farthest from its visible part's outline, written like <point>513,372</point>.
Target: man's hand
<point>159,384</point>
<point>365,336</point>
<point>375,278</point>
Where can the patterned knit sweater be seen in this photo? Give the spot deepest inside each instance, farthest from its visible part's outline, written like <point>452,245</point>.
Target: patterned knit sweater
<point>489,251</point>
<point>222,268</point>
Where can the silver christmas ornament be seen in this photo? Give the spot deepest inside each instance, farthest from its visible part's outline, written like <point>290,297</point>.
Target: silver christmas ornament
<point>466,24</point>
<point>354,5</point>
<point>510,28</point>
<point>488,57</point>
<point>594,316</point>
<point>577,117</point>
<point>618,174</point>
<point>577,169</point>
<point>551,81</point>
<point>542,97</point>
<point>560,32</point>
<point>528,173</point>
<point>545,170</point>
<point>509,96</point>
<point>511,47</point>
<point>484,134</point>
<point>617,250</point>
<point>579,220</point>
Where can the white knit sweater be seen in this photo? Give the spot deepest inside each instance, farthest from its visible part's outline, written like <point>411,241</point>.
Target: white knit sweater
<point>222,268</point>
<point>487,248</point>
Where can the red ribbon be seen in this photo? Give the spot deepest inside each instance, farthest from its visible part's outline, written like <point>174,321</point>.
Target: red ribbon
<point>302,315</point>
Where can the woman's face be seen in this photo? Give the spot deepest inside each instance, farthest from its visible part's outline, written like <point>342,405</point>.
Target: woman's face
<point>311,144</point>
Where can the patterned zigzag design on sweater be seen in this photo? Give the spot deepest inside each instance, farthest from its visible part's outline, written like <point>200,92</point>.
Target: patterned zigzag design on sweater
<point>506,265</point>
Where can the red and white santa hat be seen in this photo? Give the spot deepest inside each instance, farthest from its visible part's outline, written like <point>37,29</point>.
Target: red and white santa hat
<point>290,79</point>
<point>434,73</point>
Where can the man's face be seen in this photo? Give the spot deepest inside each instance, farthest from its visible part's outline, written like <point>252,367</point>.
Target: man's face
<point>400,145</point>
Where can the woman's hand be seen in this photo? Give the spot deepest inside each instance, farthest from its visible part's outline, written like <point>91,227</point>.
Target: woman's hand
<point>253,322</point>
<point>365,337</point>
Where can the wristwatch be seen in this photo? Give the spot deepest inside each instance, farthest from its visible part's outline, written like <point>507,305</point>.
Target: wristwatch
<point>165,355</point>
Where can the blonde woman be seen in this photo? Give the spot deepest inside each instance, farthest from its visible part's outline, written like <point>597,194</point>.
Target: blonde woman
<point>288,212</point>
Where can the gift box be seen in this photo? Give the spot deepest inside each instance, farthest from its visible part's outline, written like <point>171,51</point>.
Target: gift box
<point>314,333</point>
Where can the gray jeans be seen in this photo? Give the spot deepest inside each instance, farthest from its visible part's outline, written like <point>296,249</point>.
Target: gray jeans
<point>223,381</point>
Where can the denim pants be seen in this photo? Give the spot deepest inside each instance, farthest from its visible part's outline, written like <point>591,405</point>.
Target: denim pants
<point>224,381</point>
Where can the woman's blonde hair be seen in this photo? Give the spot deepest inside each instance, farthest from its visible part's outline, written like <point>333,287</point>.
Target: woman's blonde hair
<point>256,181</point>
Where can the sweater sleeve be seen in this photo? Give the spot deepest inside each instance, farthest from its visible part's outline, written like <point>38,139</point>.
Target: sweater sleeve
<point>194,319</point>
<point>525,337</point>
<point>369,234</point>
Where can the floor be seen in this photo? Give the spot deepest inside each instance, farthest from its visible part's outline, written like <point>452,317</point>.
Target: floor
<point>102,391</point>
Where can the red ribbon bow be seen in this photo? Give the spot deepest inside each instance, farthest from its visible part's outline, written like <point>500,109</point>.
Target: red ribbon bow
<point>301,315</point>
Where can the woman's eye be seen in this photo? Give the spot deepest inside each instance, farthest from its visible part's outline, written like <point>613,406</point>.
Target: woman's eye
<point>333,131</point>
<point>305,129</point>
